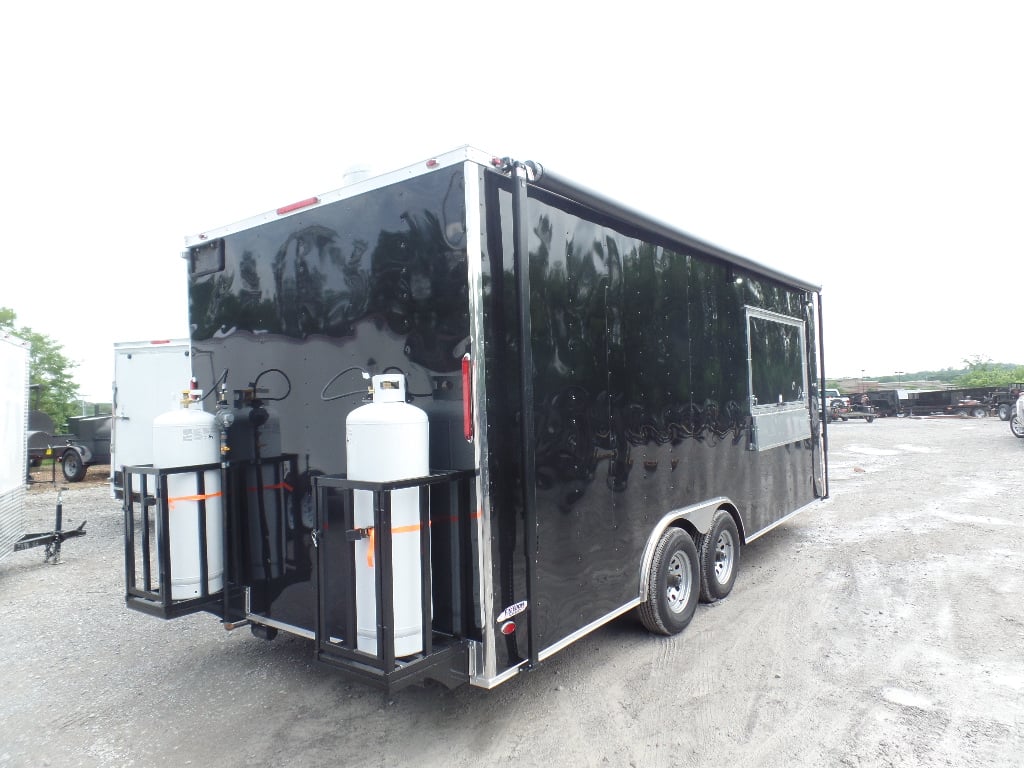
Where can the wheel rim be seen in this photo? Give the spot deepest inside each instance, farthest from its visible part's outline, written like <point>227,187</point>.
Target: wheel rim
<point>725,557</point>
<point>679,582</point>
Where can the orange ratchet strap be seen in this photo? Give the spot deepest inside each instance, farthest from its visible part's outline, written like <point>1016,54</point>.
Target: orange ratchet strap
<point>197,497</point>
<point>275,487</point>
<point>372,535</point>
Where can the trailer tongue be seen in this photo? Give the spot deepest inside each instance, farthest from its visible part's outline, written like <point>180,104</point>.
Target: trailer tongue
<point>576,411</point>
<point>53,540</point>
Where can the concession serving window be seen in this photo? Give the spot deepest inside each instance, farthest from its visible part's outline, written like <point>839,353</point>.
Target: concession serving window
<point>777,371</point>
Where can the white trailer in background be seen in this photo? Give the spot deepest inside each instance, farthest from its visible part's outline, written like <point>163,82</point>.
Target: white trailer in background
<point>14,359</point>
<point>148,379</point>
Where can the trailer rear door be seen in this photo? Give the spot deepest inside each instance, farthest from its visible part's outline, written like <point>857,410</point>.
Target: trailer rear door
<point>148,380</point>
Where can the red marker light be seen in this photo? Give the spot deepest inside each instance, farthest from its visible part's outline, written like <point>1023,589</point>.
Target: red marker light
<point>296,206</point>
<point>467,398</point>
<point>508,628</point>
<point>432,163</point>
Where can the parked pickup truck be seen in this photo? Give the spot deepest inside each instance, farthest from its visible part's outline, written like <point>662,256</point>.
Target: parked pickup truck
<point>833,403</point>
<point>860,408</point>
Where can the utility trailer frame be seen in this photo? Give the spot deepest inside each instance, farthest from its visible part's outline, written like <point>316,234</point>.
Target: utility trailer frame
<point>615,407</point>
<point>53,540</point>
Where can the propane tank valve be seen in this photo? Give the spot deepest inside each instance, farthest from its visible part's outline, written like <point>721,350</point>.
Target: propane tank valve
<point>225,416</point>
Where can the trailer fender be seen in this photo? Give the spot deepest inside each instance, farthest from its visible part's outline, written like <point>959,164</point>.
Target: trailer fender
<point>696,520</point>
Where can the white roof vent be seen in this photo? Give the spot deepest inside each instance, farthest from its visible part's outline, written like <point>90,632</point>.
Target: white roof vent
<point>354,173</point>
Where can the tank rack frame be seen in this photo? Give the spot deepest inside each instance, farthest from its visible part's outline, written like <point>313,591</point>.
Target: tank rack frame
<point>147,550</point>
<point>445,657</point>
<point>143,592</point>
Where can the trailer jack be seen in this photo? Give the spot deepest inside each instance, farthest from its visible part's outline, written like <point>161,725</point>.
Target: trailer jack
<point>52,540</point>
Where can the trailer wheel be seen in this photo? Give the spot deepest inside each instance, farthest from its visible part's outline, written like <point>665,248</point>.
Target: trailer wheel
<point>719,558</point>
<point>978,413</point>
<point>1005,411</point>
<point>72,466</point>
<point>673,584</point>
<point>869,419</point>
<point>1016,427</point>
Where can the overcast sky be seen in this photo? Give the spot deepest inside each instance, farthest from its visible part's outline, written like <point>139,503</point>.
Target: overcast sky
<point>874,148</point>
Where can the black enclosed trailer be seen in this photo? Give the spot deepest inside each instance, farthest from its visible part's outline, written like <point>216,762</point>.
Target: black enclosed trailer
<point>614,408</point>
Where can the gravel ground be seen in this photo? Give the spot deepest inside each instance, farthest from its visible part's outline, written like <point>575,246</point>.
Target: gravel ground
<point>883,628</point>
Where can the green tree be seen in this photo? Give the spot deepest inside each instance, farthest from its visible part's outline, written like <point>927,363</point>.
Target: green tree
<point>49,368</point>
<point>982,372</point>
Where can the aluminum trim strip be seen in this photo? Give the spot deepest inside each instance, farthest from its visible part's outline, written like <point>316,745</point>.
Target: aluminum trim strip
<point>597,623</point>
<point>255,618</point>
<point>562,186</point>
<point>474,262</point>
<point>496,680</point>
<point>781,520</point>
<point>445,160</point>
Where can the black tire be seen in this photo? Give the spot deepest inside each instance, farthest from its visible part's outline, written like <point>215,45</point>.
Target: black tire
<point>1016,427</point>
<point>1005,411</point>
<point>72,466</point>
<point>673,584</point>
<point>978,413</point>
<point>869,419</point>
<point>719,558</point>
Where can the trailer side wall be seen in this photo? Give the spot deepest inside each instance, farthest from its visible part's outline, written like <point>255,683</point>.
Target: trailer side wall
<point>14,379</point>
<point>645,377</point>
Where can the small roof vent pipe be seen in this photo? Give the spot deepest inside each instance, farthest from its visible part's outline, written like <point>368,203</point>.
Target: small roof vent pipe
<point>355,173</point>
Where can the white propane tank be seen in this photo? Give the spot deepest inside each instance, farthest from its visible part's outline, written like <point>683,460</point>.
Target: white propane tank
<point>185,437</point>
<point>388,439</point>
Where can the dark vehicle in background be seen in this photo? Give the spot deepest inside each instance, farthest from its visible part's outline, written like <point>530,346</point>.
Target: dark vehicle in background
<point>1004,400</point>
<point>887,402</point>
<point>976,402</point>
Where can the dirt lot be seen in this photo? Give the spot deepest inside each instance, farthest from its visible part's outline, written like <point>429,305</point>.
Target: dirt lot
<point>884,628</point>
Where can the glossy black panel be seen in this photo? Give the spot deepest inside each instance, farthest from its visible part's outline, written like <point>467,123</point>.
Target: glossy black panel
<point>641,400</point>
<point>376,281</point>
